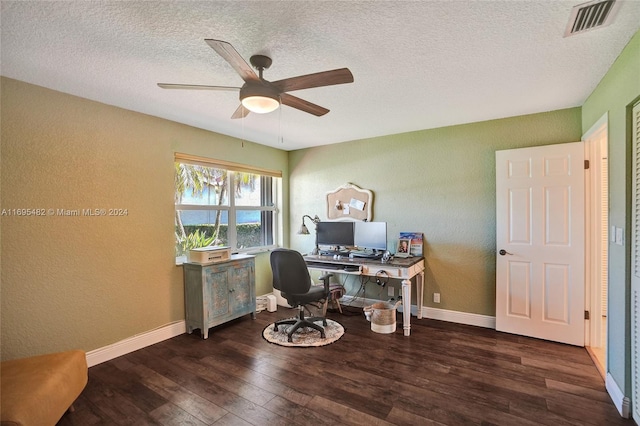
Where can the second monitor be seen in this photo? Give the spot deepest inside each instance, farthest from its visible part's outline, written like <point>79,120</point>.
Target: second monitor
<point>370,236</point>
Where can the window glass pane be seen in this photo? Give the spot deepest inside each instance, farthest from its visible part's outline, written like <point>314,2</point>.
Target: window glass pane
<point>247,189</point>
<point>254,228</point>
<point>201,185</point>
<point>200,228</point>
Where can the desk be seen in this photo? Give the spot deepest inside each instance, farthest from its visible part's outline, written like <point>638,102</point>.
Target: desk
<point>403,269</point>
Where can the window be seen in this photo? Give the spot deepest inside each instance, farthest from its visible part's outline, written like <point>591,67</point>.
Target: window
<point>223,204</point>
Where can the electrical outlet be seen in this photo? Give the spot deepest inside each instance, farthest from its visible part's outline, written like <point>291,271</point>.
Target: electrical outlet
<point>436,297</point>
<point>390,291</point>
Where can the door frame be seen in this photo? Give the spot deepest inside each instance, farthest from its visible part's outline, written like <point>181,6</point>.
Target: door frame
<point>593,288</point>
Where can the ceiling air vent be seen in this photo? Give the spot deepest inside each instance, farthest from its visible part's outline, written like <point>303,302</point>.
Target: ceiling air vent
<point>591,15</point>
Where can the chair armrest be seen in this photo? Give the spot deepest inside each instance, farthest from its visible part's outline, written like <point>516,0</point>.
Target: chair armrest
<point>325,280</point>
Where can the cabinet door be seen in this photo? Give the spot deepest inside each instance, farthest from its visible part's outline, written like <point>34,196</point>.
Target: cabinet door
<point>217,287</point>
<point>241,285</point>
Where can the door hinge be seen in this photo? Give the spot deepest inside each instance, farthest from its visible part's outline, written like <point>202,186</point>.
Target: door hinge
<point>586,164</point>
<point>586,315</point>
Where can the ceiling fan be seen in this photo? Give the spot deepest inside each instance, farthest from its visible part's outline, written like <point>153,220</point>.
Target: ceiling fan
<point>262,96</point>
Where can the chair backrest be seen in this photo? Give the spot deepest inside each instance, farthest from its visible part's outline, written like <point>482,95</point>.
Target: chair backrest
<point>290,273</point>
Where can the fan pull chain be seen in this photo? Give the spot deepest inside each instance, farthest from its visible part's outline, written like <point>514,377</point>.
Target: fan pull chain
<point>242,139</point>
<point>280,121</point>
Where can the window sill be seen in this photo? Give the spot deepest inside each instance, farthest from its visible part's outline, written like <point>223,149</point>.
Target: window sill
<point>250,251</point>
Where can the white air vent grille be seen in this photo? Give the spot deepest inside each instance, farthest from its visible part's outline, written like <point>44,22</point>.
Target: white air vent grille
<point>591,15</point>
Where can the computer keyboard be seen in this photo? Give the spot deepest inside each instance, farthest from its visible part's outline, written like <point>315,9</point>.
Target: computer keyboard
<point>333,266</point>
<point>334,252</point>
<point>365,255</point>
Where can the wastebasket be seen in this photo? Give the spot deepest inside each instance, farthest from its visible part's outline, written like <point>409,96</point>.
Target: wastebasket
<point>382,316</point>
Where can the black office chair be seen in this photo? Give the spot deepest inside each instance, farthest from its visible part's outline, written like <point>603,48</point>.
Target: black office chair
<point>291,277</point>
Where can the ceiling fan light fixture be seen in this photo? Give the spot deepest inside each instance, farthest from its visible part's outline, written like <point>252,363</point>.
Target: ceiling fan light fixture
<point>260,104</point>
<point>259,99</point>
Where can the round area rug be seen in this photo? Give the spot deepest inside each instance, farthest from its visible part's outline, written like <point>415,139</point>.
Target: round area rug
<point>304,337</point>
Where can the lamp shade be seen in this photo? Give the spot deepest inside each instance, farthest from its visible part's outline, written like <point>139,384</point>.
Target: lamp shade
<point>303,229</point>
<point>259,98</point>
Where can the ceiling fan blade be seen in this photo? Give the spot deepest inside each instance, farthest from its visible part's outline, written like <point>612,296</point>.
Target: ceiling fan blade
<point>302,105</point>
<point>195,87</point>
<point>240,112</point>
<point>319,79</point>
<point>232,56</point>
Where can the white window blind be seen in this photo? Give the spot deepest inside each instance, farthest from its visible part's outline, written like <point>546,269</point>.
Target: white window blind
<point>227,165</point>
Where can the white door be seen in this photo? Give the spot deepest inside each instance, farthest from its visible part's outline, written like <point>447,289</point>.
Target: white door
<point>540,279</point>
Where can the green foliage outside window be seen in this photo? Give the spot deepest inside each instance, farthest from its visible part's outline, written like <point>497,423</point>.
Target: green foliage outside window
<point>249,235</point>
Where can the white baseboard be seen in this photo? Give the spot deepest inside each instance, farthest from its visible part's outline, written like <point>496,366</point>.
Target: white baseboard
<point>622,403</point>
<point>136,342</point>
<point>478,320</point>
<point>433,313</point>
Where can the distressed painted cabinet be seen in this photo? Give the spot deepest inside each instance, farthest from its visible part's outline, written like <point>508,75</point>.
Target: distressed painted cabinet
<point>220,292</point>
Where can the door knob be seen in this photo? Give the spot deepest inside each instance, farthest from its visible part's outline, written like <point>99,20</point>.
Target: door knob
<point>503,252</point>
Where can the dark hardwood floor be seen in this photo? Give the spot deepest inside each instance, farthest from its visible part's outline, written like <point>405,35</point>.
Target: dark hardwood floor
<point>443,374</point>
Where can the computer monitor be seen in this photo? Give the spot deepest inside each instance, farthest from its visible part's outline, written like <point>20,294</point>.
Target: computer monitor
<point>370,235</point>
<point>334,233</point>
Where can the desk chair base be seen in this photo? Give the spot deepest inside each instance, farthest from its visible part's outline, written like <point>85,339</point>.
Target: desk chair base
<point>301,321</point>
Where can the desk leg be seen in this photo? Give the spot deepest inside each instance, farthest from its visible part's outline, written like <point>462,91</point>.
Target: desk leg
<point>420,293</point>
<point>406,307</point>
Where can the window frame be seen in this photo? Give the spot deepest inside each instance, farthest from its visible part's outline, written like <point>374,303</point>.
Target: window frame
<point>268,194</point>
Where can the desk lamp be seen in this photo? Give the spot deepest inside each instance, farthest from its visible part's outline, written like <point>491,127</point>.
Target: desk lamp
<point>305,231</point>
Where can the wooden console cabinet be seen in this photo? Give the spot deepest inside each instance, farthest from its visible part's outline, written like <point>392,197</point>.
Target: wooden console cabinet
<point>219,292</point>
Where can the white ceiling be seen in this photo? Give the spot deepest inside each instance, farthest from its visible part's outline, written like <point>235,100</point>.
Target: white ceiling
<point>417,64</point>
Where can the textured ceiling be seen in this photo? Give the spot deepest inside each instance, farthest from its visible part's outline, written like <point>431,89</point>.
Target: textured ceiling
<point>417,64</point>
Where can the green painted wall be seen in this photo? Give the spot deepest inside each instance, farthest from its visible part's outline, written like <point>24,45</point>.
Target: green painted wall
<point>87,282</point>
<point>440,182</point>
<point>614,95</point>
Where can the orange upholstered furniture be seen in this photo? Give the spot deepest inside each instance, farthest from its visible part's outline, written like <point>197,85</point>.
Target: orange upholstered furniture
<point>38,390</point>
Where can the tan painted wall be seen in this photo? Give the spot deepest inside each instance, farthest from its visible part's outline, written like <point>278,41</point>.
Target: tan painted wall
<point>86,282</point>
<point>440,182</point>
